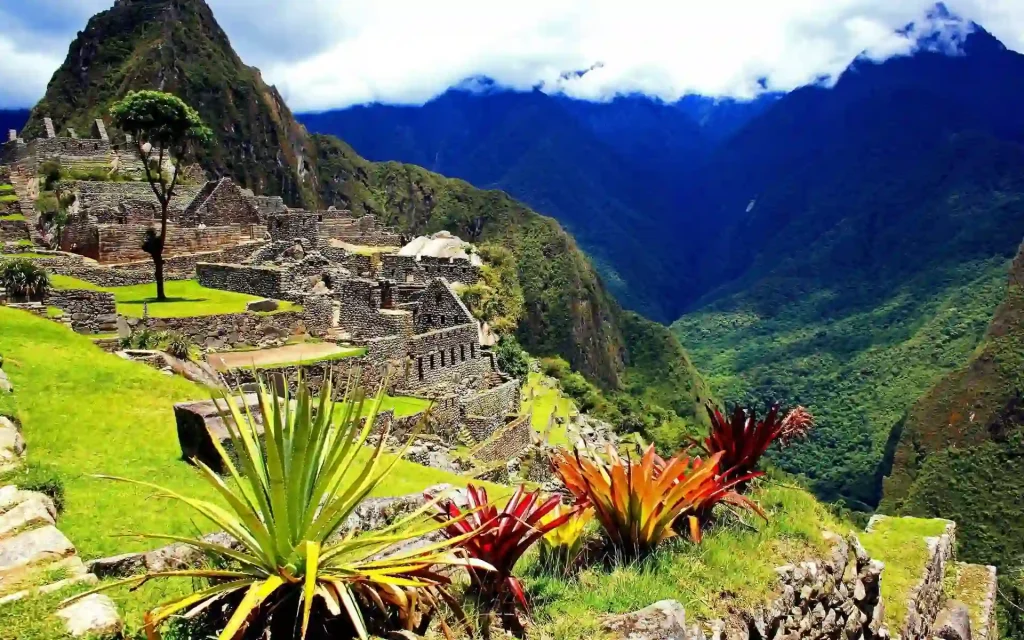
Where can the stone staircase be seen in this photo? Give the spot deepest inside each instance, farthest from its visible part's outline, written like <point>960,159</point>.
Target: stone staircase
<point>36,558</point>
<point>22,181</point>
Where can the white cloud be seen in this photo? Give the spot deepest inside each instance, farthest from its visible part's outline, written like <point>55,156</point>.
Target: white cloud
<point>332,53</point>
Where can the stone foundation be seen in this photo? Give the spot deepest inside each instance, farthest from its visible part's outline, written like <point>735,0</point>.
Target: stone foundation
<point>89,311</point>
<point>231,330</point>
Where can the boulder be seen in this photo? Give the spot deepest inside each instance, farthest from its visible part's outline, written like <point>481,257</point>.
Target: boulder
<point>95,616</point>
<point>664,620</point>
<point>5,384</point>
<point>199,422</point>
<point>262,305</point>
<point>10,438</point>
<point>953,622</point>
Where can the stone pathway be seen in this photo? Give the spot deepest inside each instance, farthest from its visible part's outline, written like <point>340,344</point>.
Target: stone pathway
<point>36,558</point>
<point>277,355</point>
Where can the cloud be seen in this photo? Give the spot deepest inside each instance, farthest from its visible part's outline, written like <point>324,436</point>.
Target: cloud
<point>332,53</point>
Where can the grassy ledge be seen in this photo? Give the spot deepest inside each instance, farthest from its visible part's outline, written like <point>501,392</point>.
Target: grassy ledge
<point>900,544</point>
<point>734,567</point>
<point>543,397</point>
<point>186,298</point>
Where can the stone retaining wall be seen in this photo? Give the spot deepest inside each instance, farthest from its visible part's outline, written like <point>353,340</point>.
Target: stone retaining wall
<point>232,329</point>
<point>507,442</point>
<point>89,311</point>
<point>407,269</point>
<point>266,282</point>
<point>13,230</point>
<point>497,401</point>
<point>445,356</point>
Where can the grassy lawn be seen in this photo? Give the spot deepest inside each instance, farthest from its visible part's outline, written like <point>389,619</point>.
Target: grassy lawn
<point>734,567</point>
<point>186,298</point>
<point>547,399</point>
<point>899,543</point>
<point>402,405</point>
<point>28,254</point>
<point>13,217</point>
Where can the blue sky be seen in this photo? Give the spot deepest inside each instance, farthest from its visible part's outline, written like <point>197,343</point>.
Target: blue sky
<point>333,53</point>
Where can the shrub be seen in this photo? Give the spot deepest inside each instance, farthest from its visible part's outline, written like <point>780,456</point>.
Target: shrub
<point>288,491</point>
<point>638,503</point>
<point>743,439</point>
<point>178,345</point>
<point>584,394</point>
<point>24,279</point>
<point>555,367</point>
<point>35,476</point>
<point>144,338</point>
<point>500,538</point>
<point>512,359</point>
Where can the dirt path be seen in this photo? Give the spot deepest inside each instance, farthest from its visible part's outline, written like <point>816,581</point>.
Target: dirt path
<point>277,355</point>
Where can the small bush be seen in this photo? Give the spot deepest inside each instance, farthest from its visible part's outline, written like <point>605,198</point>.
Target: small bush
<point>178,345</point>
<point>35,476</point>
<point>144,339</point>
<point>24,279</point>
<point>512,359</point>
<point>555,367</point>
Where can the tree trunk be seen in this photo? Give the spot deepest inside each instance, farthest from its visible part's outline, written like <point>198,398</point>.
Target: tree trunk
<point>158,269</point>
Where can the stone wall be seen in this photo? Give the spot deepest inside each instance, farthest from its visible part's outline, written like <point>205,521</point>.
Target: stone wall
<point>318,314</point>
<point>123,242</point>
<point>89,311</point>
<point>440,307</point>
<point>288,227</point>
<point>266,282</point>
<point>232,330</point>
<point>218,203</point>
<point>507,442</point>
<point>13,230</point>
<point>445,356</point>
<point>409,269</point>
<point>501,400</point>
<point>103,202</point>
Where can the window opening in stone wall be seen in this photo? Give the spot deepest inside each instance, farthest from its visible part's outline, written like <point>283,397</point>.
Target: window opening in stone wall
<point>442,358</point>
<point>419,362</point>
<point>453,355</point>
<point>472,350</point>
<point>462,352</point>
<point>431,361</point>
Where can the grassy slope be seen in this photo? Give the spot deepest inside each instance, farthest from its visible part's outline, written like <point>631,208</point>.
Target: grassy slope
<point>186,298</point>
<point>86,412</point>
<point>544,398</point>
<point>732,559</point>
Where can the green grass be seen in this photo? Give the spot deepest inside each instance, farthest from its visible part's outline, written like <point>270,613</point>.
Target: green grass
<point>6,188</point>
<point>899,543</point>
<point>186,298</point>
<point>968,583</point>
<point>8,199</point>
<point>85,412</point>
<point>27,254</point>
<point>734,567</point>
<point>14,217</point>
<point>547,399</point>
<point>402,405</point>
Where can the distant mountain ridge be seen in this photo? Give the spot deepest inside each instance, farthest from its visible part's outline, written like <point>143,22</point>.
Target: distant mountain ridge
<point>608,171</point>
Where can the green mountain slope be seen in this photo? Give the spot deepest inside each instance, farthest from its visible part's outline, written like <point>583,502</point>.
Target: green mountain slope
<point>961,447</point>
<point>177,46</point>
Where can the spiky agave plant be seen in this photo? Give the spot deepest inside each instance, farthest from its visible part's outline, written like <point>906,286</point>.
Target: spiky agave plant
<point>742,439</point>
<point>23,278</point>
<point>292,488</point>
<point>639,502</point>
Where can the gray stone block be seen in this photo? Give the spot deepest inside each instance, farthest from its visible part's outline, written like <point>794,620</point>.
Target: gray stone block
<point>664,620</point>
<point>34,547</point>
<point>262,305</point>
<point>200,422</point>
<point>953,622</point>
<point>95,616</point>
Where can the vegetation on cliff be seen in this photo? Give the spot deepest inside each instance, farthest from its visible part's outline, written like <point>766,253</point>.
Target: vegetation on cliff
<point>961,443</point>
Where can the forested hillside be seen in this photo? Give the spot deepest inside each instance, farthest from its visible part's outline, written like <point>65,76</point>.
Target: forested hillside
<point>857,239</point>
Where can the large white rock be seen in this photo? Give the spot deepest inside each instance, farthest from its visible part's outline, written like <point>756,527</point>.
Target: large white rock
<point>663,620</point>
<point>94,615</point>
<point>30,514</point>
<point>10,438</point>
<point>37,546</point>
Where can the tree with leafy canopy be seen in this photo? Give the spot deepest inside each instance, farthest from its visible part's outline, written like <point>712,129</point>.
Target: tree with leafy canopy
<point>161,125</point>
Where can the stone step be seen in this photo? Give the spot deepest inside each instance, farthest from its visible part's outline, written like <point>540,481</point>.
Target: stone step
<point>95,616</point>
<point>34,512</point>
<point>47,579</point>
<point>11,496</point>
<point>31,549</point>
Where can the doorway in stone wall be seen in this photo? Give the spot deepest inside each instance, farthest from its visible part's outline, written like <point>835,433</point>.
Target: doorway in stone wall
<point>387,296</point>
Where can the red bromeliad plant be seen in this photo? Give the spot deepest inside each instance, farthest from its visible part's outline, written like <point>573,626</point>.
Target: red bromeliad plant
<point>640,503</point>
<point>500,538</point>
<point>715,490</point>
<point>742,439</point>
